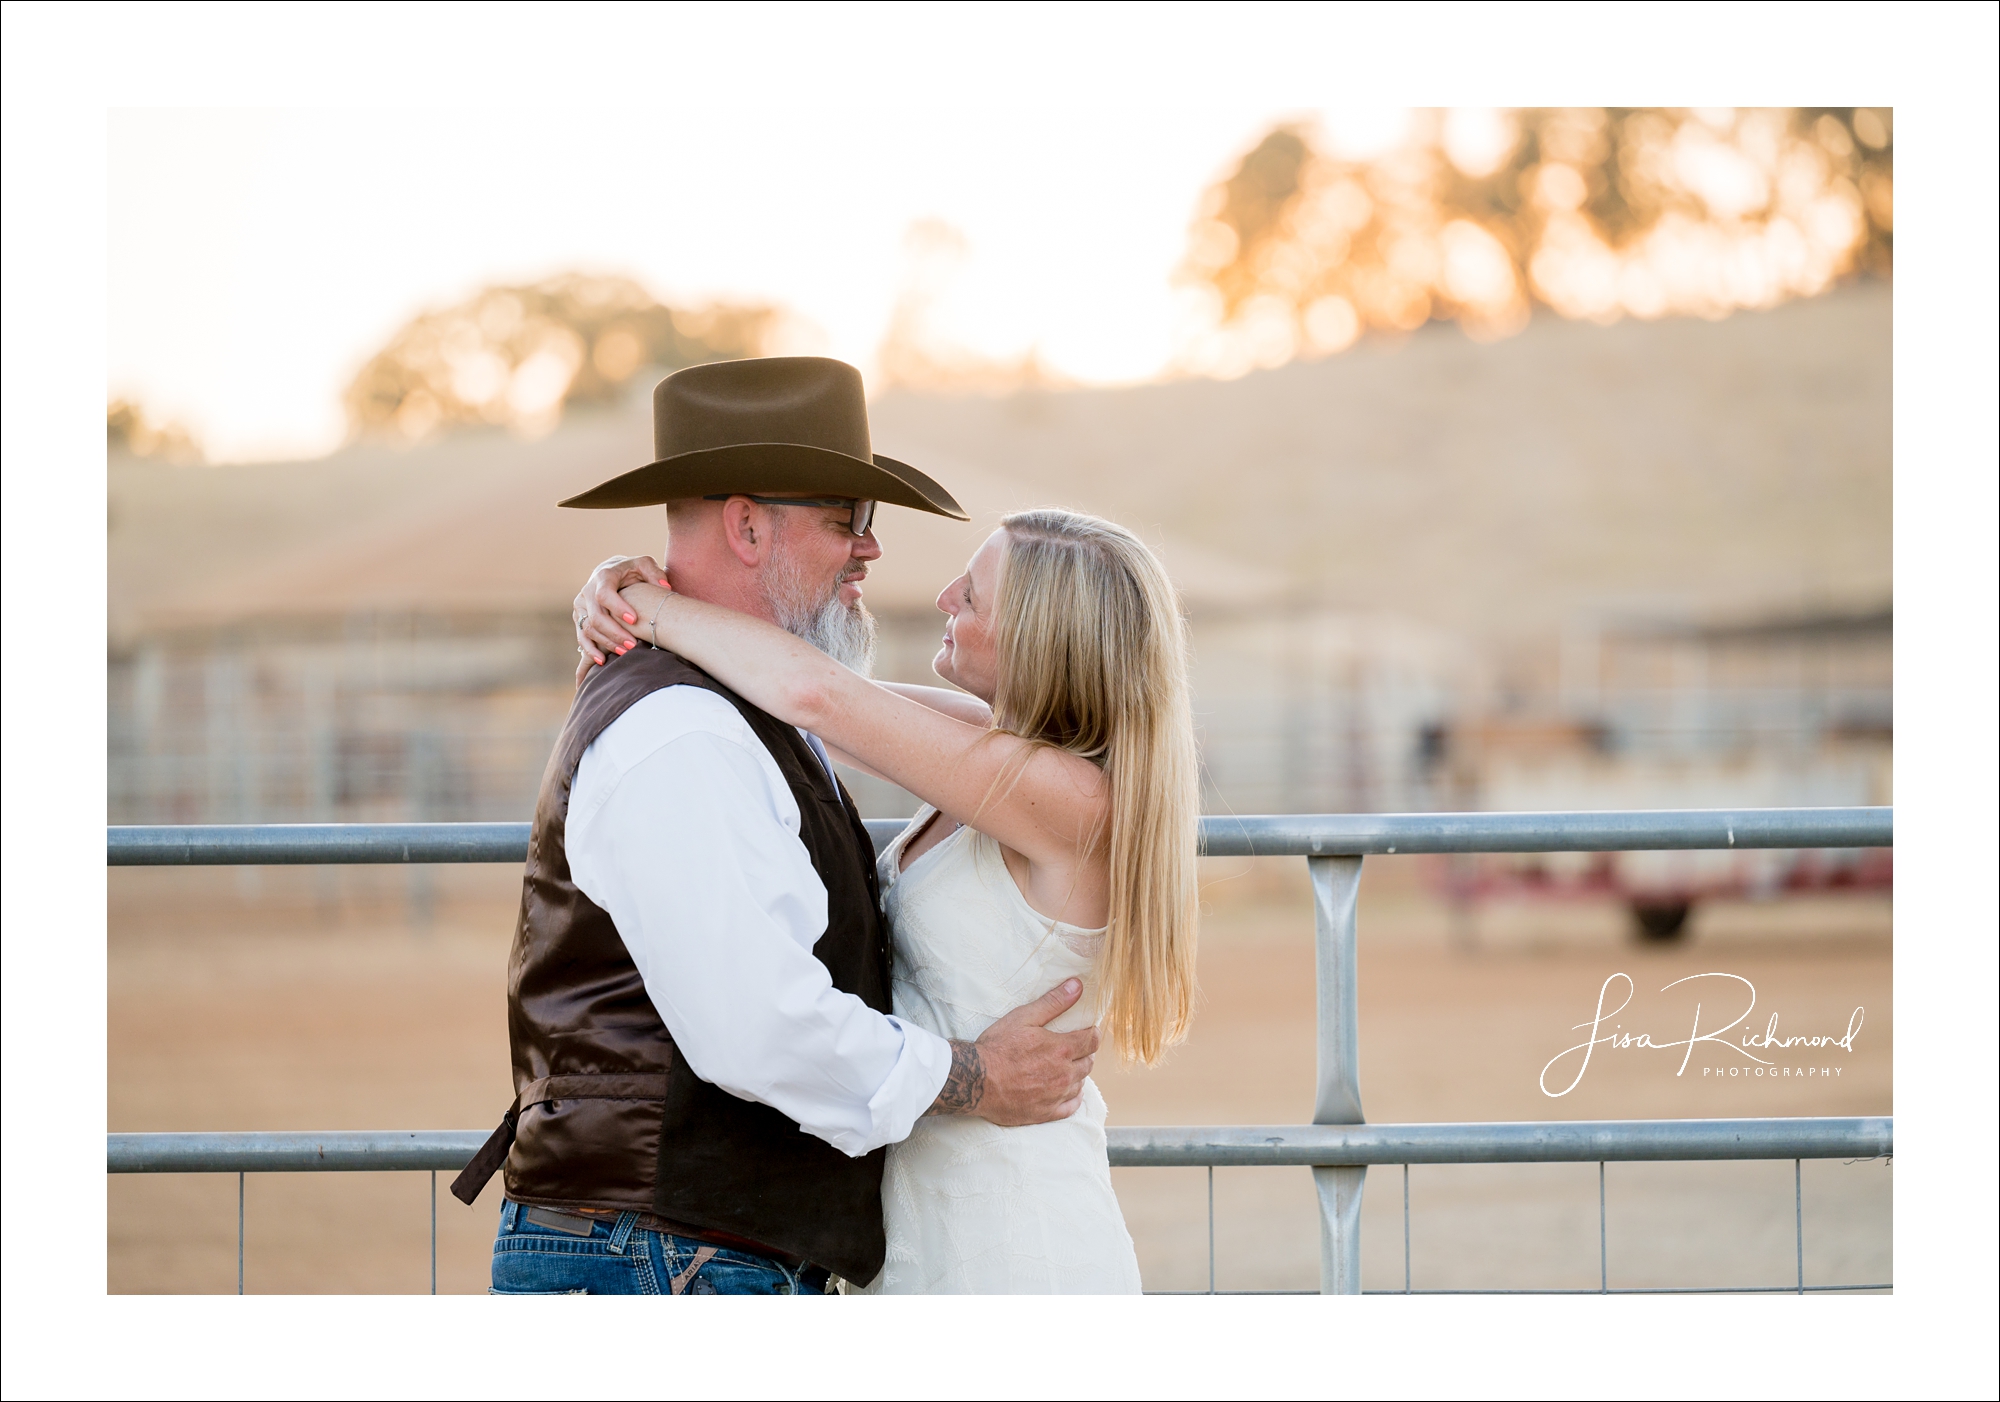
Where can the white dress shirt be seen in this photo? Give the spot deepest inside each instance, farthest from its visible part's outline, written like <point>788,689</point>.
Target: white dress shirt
<point>682,828</point>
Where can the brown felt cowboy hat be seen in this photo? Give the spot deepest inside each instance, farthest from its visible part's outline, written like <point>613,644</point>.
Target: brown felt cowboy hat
<point>784,424</point>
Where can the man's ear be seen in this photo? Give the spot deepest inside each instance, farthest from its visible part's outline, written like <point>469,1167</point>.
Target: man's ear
<point>746,531</point>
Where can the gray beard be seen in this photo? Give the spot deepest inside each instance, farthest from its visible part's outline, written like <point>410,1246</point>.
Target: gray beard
<point>847,635</point>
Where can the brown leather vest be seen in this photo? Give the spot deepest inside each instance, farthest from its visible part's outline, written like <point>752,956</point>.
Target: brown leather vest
<point>606,1114</point>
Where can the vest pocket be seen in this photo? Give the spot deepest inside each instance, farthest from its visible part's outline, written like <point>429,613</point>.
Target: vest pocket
<point>588,1138</point>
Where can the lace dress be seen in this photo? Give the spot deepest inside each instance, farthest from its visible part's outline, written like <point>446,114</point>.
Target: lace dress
<point>970,1207</point>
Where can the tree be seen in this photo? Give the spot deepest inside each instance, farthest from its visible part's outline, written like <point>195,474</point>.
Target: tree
<point>130,429</point>
<point>1591,212</point>
<point>518,356</point>
<point>916,353</point>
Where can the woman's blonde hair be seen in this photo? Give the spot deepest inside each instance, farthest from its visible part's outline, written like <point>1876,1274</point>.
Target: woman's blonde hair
<point>1093,660</point>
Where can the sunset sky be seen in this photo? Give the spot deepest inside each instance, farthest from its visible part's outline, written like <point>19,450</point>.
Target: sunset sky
<point>258,256</point>
<point>259,253</point>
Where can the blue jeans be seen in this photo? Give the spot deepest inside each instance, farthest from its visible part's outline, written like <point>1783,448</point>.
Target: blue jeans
<point>618,1258</point>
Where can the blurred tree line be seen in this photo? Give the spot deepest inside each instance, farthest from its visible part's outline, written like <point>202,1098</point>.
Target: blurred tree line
<point>130,429</point>
<point>1480,214</point>
<point>917,353</point>
<point>518,356</point>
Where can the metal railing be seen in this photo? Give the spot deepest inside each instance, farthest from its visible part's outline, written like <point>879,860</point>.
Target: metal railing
<point>1339,1147</point>
<point>1307,835</point>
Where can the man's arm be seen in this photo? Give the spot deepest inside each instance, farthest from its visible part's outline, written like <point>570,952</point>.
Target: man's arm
<point>689,840</point>
<point>964,1084</point>
<point>681,827</point>
<point>1019,1072</point>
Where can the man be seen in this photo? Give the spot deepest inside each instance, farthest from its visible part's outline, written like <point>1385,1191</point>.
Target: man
<point>706,1070</point>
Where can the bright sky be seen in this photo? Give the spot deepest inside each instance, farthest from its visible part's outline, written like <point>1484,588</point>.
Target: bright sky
<point>375,160</point>
<point>257,257</point>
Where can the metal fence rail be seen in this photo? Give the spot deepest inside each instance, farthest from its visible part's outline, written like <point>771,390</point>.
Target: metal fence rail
<point>1240,1146</point>
<point>1321,835</point>
<point>1168,1146</point>
<point>1339,1147</point>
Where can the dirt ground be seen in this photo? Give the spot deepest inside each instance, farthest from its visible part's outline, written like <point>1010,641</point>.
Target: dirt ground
<point>373,999</point>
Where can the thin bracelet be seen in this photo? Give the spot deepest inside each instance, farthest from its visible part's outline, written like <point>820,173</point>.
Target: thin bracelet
<point>654,626</point>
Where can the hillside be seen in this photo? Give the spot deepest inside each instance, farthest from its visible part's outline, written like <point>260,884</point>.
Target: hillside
<point>1730,468</point>
<point>1734,468</point>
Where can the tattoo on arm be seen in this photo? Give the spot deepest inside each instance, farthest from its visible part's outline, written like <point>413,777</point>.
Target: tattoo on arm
<point>965,1087</point>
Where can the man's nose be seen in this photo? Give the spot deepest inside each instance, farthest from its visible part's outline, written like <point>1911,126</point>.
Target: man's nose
<point>866,547</point>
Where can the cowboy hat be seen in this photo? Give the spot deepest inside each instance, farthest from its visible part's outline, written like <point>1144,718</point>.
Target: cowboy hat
<point>781,424</point>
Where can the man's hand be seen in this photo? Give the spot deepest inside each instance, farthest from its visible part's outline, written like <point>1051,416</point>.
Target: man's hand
<point>1019,1072</point>
<point>597,610</point>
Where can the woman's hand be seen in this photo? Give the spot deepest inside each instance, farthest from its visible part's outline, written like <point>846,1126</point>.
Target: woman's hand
<point>598,612</point>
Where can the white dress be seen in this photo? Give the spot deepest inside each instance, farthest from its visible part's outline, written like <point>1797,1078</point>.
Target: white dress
<point>970,1207</point>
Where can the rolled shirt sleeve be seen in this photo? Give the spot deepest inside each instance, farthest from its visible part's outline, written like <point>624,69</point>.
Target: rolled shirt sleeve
<point>682,828</point>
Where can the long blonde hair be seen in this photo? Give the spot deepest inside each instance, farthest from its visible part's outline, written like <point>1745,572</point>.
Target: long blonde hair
<point>1093,660</point>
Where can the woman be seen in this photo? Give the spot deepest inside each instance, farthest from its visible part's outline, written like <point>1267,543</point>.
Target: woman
<point>1057,839</point>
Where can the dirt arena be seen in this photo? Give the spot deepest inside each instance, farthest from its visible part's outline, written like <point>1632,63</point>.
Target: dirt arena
<point>372,998</point>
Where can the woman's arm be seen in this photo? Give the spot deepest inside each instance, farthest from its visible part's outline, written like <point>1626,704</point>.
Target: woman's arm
<point>959,705</point>
<point>1042,802</point>
<point>597,610</point>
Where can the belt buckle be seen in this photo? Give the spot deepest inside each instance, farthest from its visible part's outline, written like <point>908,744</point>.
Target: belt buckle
<point>556,1220</point>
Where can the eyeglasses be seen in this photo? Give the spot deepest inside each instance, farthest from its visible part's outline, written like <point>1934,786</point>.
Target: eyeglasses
<point>861,515</point>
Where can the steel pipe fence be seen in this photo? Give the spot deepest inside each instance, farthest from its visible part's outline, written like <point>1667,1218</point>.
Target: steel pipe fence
<point>1309,835</point>
<point>1165,1146</point>
<point>1338,1147</point>
<point>1265,1146</point>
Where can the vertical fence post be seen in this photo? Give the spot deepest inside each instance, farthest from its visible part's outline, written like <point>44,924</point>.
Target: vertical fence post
<point>1799,1222</point>
<point>434,1231</point>
<point>239,1233</point>
<point>1603,1250</point>
<point>1406,1229</point>
<point>1211,1229</point>
<point>1335,882</point>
